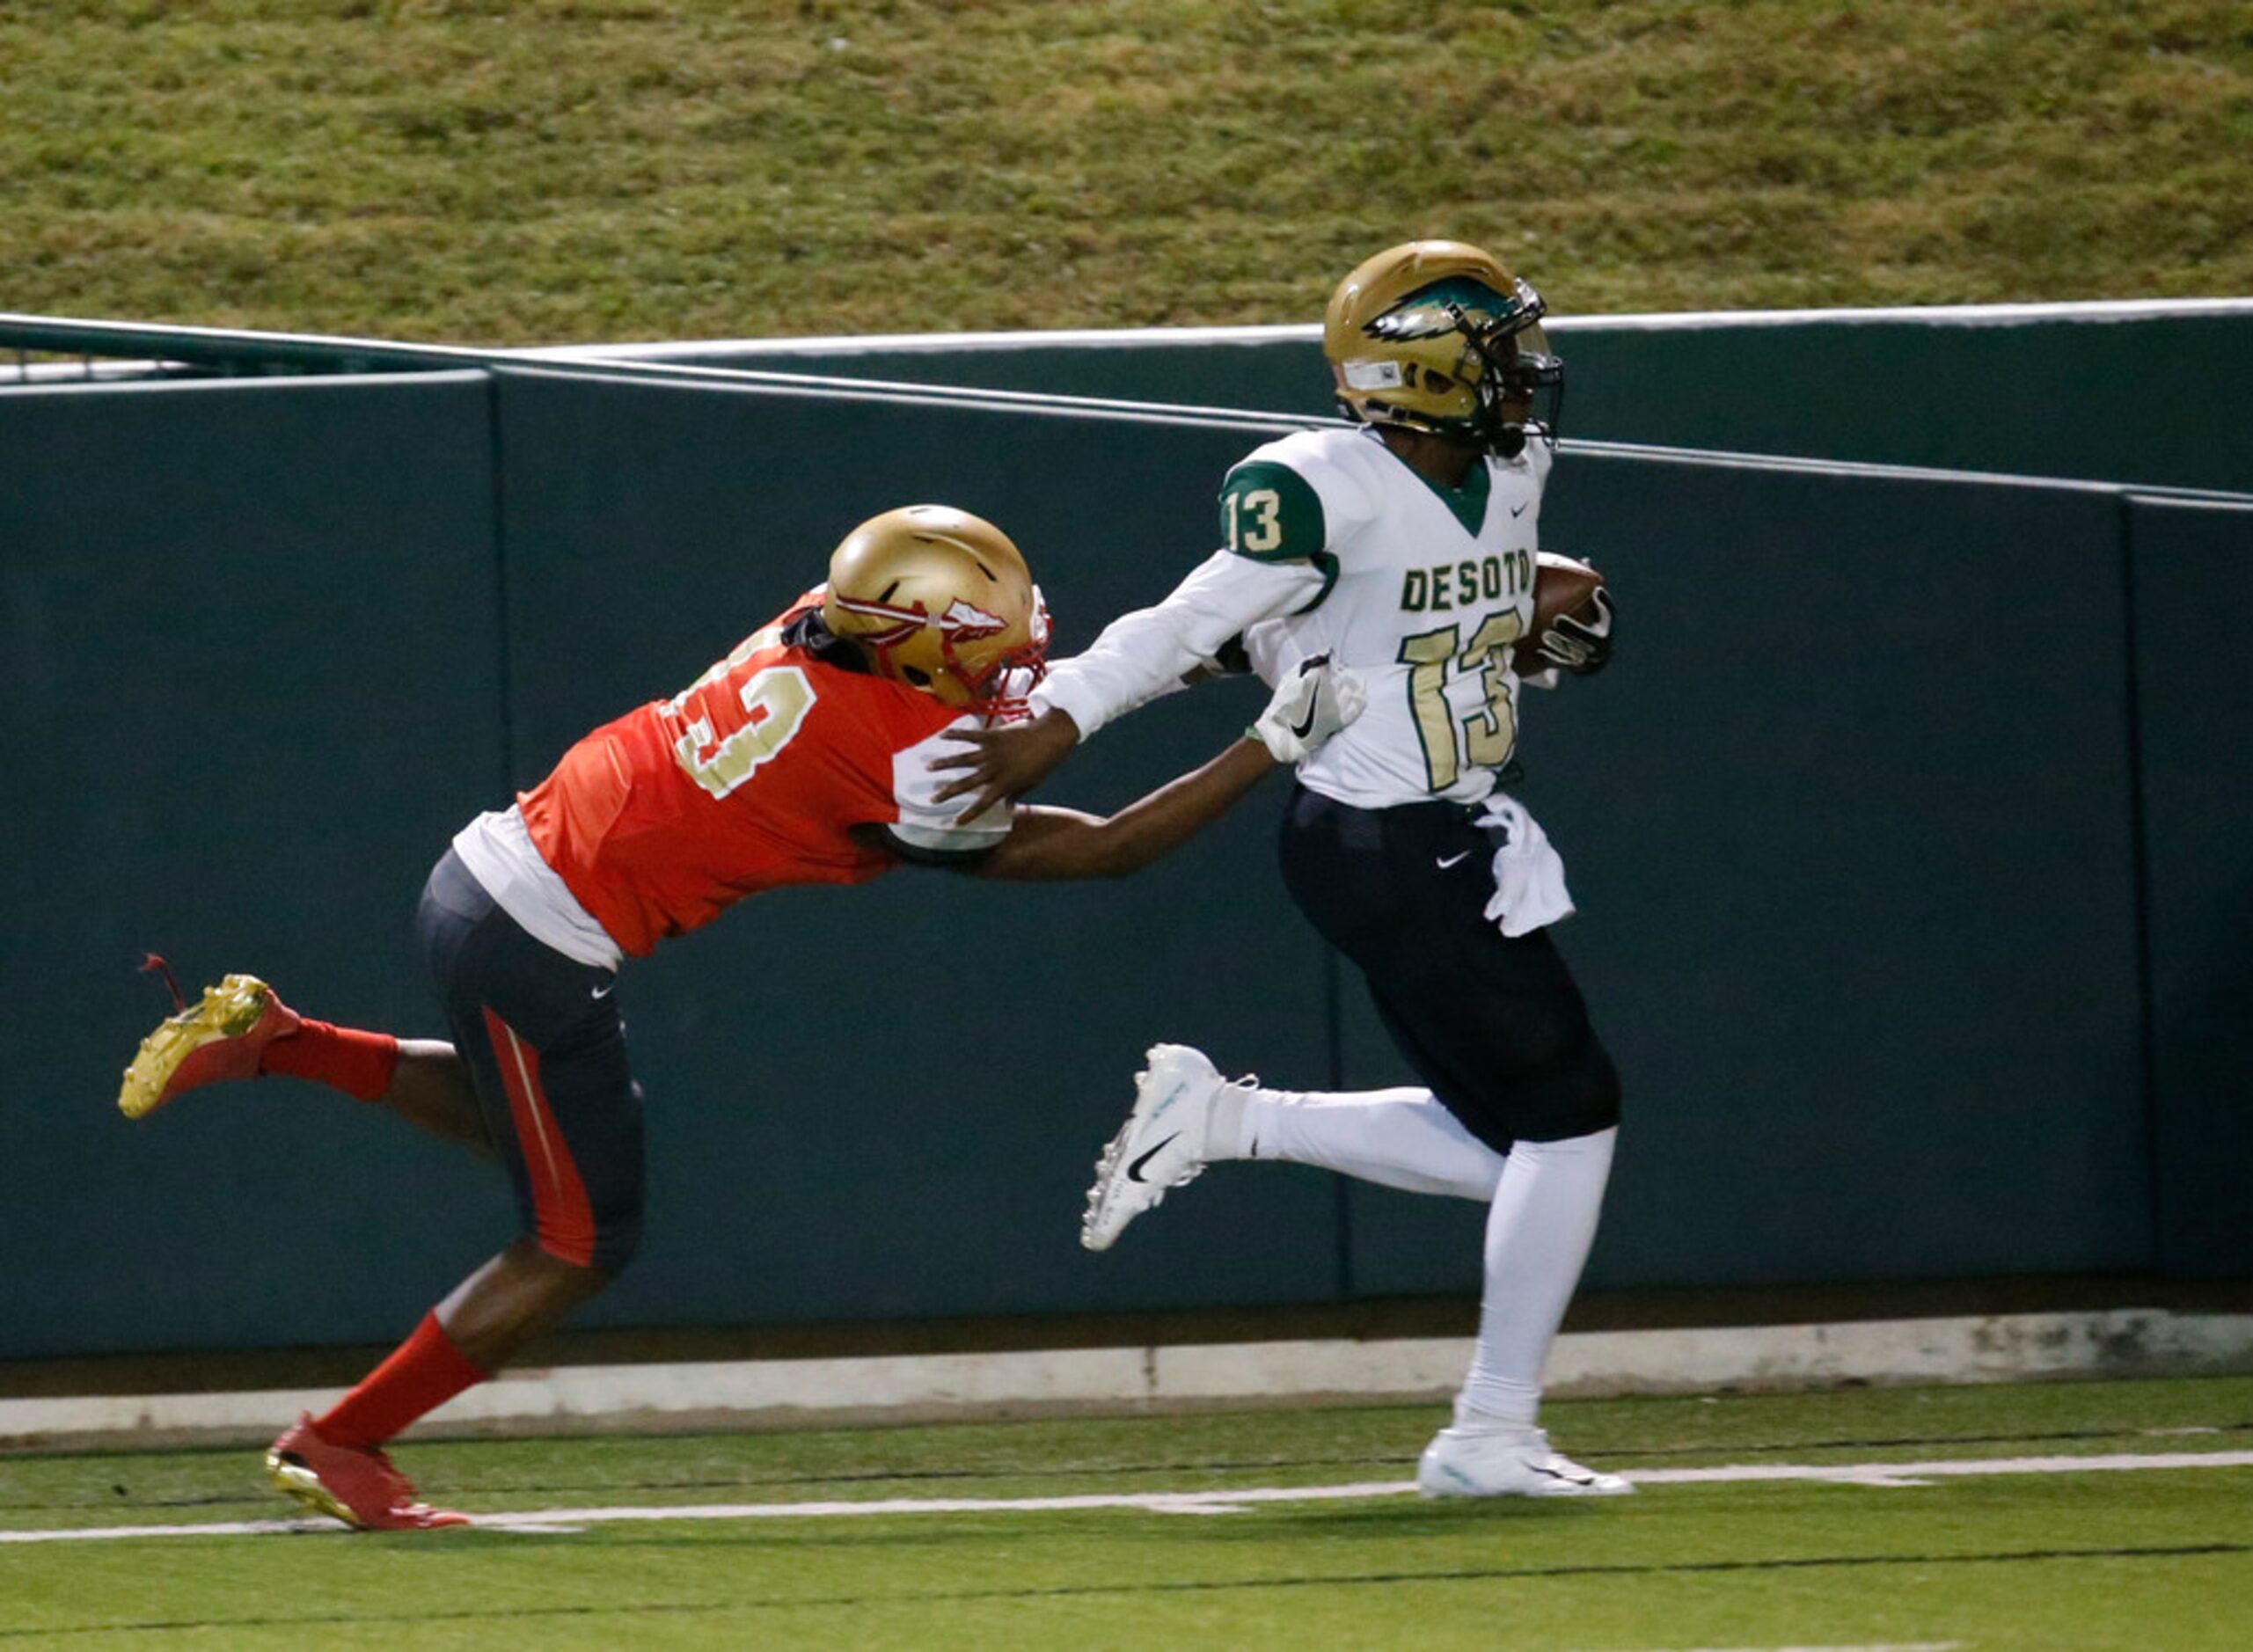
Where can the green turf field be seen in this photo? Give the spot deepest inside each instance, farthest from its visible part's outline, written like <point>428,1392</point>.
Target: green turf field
<point>2156,1558</point>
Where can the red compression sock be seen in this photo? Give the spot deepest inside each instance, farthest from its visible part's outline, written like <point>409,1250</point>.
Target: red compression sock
<point>422,1373</point>
<point>359,1064</point>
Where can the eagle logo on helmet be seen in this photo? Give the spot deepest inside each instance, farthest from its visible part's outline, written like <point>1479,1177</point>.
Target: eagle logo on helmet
<point>1441,308</point>
<point>1437,336</point>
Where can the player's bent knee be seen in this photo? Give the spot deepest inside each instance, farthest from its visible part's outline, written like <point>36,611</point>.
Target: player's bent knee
<point>1594,1091</point>
<point>604,1248</point>
<point>616,1243</point>
<point>1602,1090</point>
<point>1575,1093</point>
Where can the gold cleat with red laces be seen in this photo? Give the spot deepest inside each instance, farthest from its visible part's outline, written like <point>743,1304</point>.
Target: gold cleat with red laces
<point>221,1037</point>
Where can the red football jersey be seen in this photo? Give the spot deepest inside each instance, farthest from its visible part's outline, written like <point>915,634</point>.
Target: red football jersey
<point>748,779</point>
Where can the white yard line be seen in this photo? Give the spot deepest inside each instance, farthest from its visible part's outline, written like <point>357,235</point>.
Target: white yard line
<point>1193,1502</point>
<point>1924,1473</point>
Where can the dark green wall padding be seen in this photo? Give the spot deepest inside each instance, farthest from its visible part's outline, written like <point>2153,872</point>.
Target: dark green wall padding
<point>2159,401</point>
<point>254,681</point>
<point>1907,831</point>
<point>2192,564</point>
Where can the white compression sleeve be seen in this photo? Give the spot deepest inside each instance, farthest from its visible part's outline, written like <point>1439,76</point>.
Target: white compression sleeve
<point>1542,1221</point>
<point>1401,1138</point>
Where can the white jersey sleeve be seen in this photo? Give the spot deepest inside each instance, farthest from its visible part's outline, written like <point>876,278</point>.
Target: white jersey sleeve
<point>926,830</point>
<point>1145,653</point>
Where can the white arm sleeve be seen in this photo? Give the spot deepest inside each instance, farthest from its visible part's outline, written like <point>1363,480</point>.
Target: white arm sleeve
<point>1145,653</point>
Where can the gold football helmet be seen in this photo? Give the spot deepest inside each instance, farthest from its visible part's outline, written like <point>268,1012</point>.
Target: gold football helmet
<point>1437,336</point>
<point>942,601</point>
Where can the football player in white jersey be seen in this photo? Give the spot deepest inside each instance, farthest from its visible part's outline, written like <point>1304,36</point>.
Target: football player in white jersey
<point>1403,548</point>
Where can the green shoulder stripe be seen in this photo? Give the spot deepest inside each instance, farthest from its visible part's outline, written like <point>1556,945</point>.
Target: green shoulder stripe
<point>1270,514</point>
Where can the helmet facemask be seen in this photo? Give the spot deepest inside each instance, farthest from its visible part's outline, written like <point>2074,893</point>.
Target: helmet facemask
<point>1000,688</point>
<point>1518,372</point>
<point>951,656</point>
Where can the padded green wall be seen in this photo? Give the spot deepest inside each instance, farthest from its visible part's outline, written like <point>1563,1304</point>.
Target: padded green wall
<point>1850,824</point>
<point>2194,574</point>
<point>2159,399</point>
<point>252,681</point>
<point>1908,833</point>
<point>886,1099</point>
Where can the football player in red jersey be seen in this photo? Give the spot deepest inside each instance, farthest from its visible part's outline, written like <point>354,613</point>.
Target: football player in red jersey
<point>802,757</point>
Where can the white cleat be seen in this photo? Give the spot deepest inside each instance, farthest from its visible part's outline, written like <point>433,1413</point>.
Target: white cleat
<point>1507,1463</point>
<point>1161,1145</point>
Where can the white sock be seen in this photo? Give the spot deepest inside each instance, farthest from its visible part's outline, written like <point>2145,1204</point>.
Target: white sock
<point>1542,1221</point>
<point>1400,1138</point>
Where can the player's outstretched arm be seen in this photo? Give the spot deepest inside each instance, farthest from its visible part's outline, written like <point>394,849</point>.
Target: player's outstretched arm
<point>1140,656</point>
<point>1047,845</point>
<point>1054,844</point>
<point>1001,764</point>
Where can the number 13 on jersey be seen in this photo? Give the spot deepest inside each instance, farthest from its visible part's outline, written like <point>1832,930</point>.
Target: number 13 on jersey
<point>1251,521</point>
<point>1483,738</point>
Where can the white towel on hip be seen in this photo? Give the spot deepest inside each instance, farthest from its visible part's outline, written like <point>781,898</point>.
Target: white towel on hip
<point>1529,889</point>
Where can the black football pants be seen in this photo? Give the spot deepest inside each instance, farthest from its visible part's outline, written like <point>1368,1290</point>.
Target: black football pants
<point>546,1050</point>
<point>1494,1025</point>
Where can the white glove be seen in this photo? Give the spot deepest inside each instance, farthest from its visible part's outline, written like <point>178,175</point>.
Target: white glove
<point>1311,703</point>
<point>1582,646</point>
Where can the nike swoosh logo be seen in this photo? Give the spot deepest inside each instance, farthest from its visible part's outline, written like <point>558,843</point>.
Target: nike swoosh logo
<point>603,991</point>
<point>1134,1171</point>
<point>1447,861</point>
<point>1307,727</point>
<point>1520,510</point>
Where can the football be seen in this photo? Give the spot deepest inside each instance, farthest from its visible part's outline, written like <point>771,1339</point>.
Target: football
<point>1560,586</point>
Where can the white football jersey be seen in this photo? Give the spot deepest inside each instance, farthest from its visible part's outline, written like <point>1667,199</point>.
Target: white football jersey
<point>1430,592</point>
<point>1333,545</point>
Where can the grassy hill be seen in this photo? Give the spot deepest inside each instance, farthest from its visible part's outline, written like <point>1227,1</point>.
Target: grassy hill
<point>581,169</point>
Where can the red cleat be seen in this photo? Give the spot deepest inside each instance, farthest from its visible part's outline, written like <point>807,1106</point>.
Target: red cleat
<point>223,1037</point>
<point>355,1484</point>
